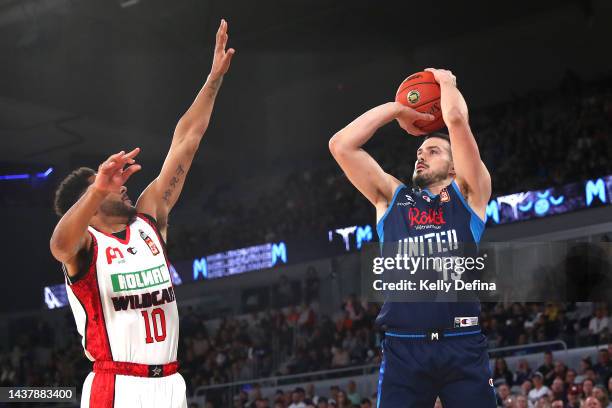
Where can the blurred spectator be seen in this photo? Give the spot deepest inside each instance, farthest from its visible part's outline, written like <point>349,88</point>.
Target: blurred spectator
<point>297,398</point>
<point>366,403</point>
<point>592,402</point>
<point>573,397</point>
<point>352,394</point>
<point>501,373</point>
<point>539,389</point>
<point>603,368</point>
<point>587,388</point>
<point>547,368</point>
<point>503,392</point>
<point>522,373</point>
<point>558,390</point>
<point>599,325</point>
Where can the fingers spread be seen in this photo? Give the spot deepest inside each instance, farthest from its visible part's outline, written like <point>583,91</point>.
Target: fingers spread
<point>128,171</point>
<point>133,153</point>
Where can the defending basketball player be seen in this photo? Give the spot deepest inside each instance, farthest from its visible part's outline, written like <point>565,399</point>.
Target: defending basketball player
<point>117,271</point>
<point>430,348</point>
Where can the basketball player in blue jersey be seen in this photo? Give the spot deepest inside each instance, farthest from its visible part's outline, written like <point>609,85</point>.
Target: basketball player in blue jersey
<point>430,348</point>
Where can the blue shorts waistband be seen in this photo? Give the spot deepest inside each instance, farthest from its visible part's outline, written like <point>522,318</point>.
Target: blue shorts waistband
<point>432,334</point>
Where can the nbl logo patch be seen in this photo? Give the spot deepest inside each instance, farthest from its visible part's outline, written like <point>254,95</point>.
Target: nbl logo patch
<point>413,96</point>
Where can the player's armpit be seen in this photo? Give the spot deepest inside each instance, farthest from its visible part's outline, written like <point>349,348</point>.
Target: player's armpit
<point>467,163</point>
<point>63,253</point>
<point>77,266</point>
<point>477,198</point>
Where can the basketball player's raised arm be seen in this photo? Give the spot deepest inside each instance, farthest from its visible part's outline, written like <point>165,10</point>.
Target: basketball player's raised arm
<point>472,174</point>
<point>161,195</point>
<point>361,168</point>
<point>70,234</point>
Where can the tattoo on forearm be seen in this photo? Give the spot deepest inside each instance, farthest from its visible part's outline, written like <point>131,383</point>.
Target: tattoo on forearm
<point>173,183</point>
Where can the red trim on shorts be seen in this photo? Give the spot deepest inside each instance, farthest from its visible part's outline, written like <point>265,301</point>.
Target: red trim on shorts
<point>87,292</point>
<point>135,369</point>
<point>102,391</point>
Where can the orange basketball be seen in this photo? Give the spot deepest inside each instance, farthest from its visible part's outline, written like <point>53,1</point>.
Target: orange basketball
<point>421,92</point>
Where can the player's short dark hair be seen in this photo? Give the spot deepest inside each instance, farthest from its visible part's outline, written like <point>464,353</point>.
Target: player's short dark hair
<point>71,188</point>
<point>439,135</point>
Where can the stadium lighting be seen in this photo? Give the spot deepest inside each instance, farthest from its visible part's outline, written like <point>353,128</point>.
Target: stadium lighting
<point>45,173</point>
<point>25,176</point>
<point>15,177</point>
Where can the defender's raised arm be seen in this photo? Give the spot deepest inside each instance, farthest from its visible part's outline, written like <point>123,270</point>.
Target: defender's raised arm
<point>161,195</point>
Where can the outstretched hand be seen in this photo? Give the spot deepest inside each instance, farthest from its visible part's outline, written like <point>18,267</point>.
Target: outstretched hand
<point>116,170</point>
<point>222,58</point>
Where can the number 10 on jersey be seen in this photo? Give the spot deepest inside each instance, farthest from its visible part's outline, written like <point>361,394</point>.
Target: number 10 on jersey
<point>158,321</point>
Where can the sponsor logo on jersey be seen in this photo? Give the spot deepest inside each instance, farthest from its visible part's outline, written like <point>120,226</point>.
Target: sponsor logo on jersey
<point>112,254</point>
<point>466,321</point>
<point>409,202</point>
<point>428,217</point>
<point>141,279</point>
<point>426,198</point>
<point>491,382</point>
<point>132,250</point>
<point>147,239</point>
<point>144,300</point>
<point>444,196</point>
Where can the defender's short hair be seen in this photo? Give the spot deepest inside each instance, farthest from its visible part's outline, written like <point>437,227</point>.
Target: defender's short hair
<point>71,189</point>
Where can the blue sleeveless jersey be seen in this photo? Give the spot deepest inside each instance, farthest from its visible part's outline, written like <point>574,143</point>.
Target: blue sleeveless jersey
<point>437,225</point>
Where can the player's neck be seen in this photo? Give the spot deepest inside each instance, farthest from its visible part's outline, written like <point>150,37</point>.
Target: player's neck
<point>110,224</point>
<point>436,187</point>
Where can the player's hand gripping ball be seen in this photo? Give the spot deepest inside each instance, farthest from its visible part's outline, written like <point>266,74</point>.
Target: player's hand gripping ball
<point>421,92</point>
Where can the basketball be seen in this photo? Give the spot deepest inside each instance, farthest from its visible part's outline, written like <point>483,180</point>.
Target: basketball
<point>421,92</point>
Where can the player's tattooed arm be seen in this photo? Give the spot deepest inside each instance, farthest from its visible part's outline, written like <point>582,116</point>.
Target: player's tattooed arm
<point>472,174</point>
<point>174,182</point>
<point>161,195</point>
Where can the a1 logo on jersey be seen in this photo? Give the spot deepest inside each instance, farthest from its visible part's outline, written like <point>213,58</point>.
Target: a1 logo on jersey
<point>114,255</point>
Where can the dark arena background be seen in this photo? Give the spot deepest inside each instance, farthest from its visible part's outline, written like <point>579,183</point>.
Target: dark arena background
<point>265,241</point>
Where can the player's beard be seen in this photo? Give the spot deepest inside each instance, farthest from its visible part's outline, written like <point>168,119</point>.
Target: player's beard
<point>425,179</point>
<point>118,209</point>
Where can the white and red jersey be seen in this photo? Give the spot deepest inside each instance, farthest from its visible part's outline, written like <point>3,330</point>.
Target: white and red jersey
<point>124,304</point>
